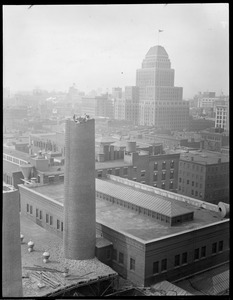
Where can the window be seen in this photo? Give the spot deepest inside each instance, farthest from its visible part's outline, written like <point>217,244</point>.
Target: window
<point>99,174</point>
<point>27,207</point>
<point>37,212</point>
<point>184,258</point>
<point>192,192</point>
<point>108,254</point>
<point>164,265</point>
<point>121,258</point>
<point>220,246</point>
<point>203,251</point>
<point>143,173</point>
<point>47,218</point>
<point>155,177</point>
<point>61,226</point>
<point>172,164</point>
<point>125,171</point>
<point>196,254</point>
<point>117,172</point>
<point>214,248</point>
<point>164,165</point>
<point>163,176</point>
<point>51,220</point>
<point>171,185</point>
<point>51,179</point>
<point>155,267</point>
<point>114,254</point>
<point>192,183</point>
<point>58,224</point>
<point>110,171</point>
<point>155,166</point>
<point>40,214</point>
<point>171,174</point>
<point>187,181</point>
<point>180,179</point>
<point>31,211</point>
<point>196,193</point>
<point>177,260</point>
<point>132,264</point>
<point>163,185</point>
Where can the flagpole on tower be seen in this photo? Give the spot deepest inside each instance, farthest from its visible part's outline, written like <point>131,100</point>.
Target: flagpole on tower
<point>158,35</point>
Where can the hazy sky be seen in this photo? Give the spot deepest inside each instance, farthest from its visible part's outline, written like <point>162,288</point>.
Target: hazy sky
<point>101,46</point>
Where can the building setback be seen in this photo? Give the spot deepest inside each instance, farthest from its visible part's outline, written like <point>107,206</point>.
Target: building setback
<point>154,234</point>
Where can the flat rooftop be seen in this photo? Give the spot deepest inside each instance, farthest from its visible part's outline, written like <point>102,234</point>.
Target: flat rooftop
<point>131,223</point>
<point>111,164</point>
<point>89,270</point>
<point>205,157</point>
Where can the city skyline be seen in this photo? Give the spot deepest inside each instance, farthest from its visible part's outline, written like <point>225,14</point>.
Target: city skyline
<point>101,46</point>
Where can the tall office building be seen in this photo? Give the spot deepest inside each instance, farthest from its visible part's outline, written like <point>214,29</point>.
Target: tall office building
<point>160,102</point>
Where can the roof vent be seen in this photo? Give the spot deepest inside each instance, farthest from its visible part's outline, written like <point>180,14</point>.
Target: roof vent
<point>30,246</point>
<point>46,256</point>
<point>224,209</point>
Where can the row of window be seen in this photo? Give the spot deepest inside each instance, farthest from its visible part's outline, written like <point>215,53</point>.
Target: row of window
<point>155,176</point>
<point>139,209</point>
<point>192,183</point>
<point>48,218</point>
<point>179,260</point>
<point>120,259</point>
<point>164,165</point>
<point>194,193</point>
<point>13,159</point>
<point>188,165</point>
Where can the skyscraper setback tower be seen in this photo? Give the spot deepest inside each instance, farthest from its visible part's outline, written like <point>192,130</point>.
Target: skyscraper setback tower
<point>79,203</point>
<point>160,102</point>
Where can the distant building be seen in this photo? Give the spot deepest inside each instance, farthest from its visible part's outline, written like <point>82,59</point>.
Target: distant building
<point>213,139</point>
<point>222,117</point>
<point>200,123</point>
<point>148,165</point>
<point>98,106</point>
<point>204,176</point>
<point>160,102</point>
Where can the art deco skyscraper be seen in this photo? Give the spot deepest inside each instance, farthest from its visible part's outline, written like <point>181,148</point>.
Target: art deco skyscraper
<point>160,102</point>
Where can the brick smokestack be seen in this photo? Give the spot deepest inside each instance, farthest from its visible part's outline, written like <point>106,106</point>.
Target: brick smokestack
<point>79,201</point>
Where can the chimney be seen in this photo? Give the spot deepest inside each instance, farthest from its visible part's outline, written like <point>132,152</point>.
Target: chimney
<point>79,202</point>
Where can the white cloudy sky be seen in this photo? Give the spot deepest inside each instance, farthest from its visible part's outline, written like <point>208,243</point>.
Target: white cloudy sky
<point>101,46</point>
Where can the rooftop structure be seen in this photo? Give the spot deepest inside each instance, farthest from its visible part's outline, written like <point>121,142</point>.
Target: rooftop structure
<point>131,220</point>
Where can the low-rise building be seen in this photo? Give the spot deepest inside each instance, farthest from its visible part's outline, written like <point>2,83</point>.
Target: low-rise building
<point>204,176</point>
<point>155,235</point>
